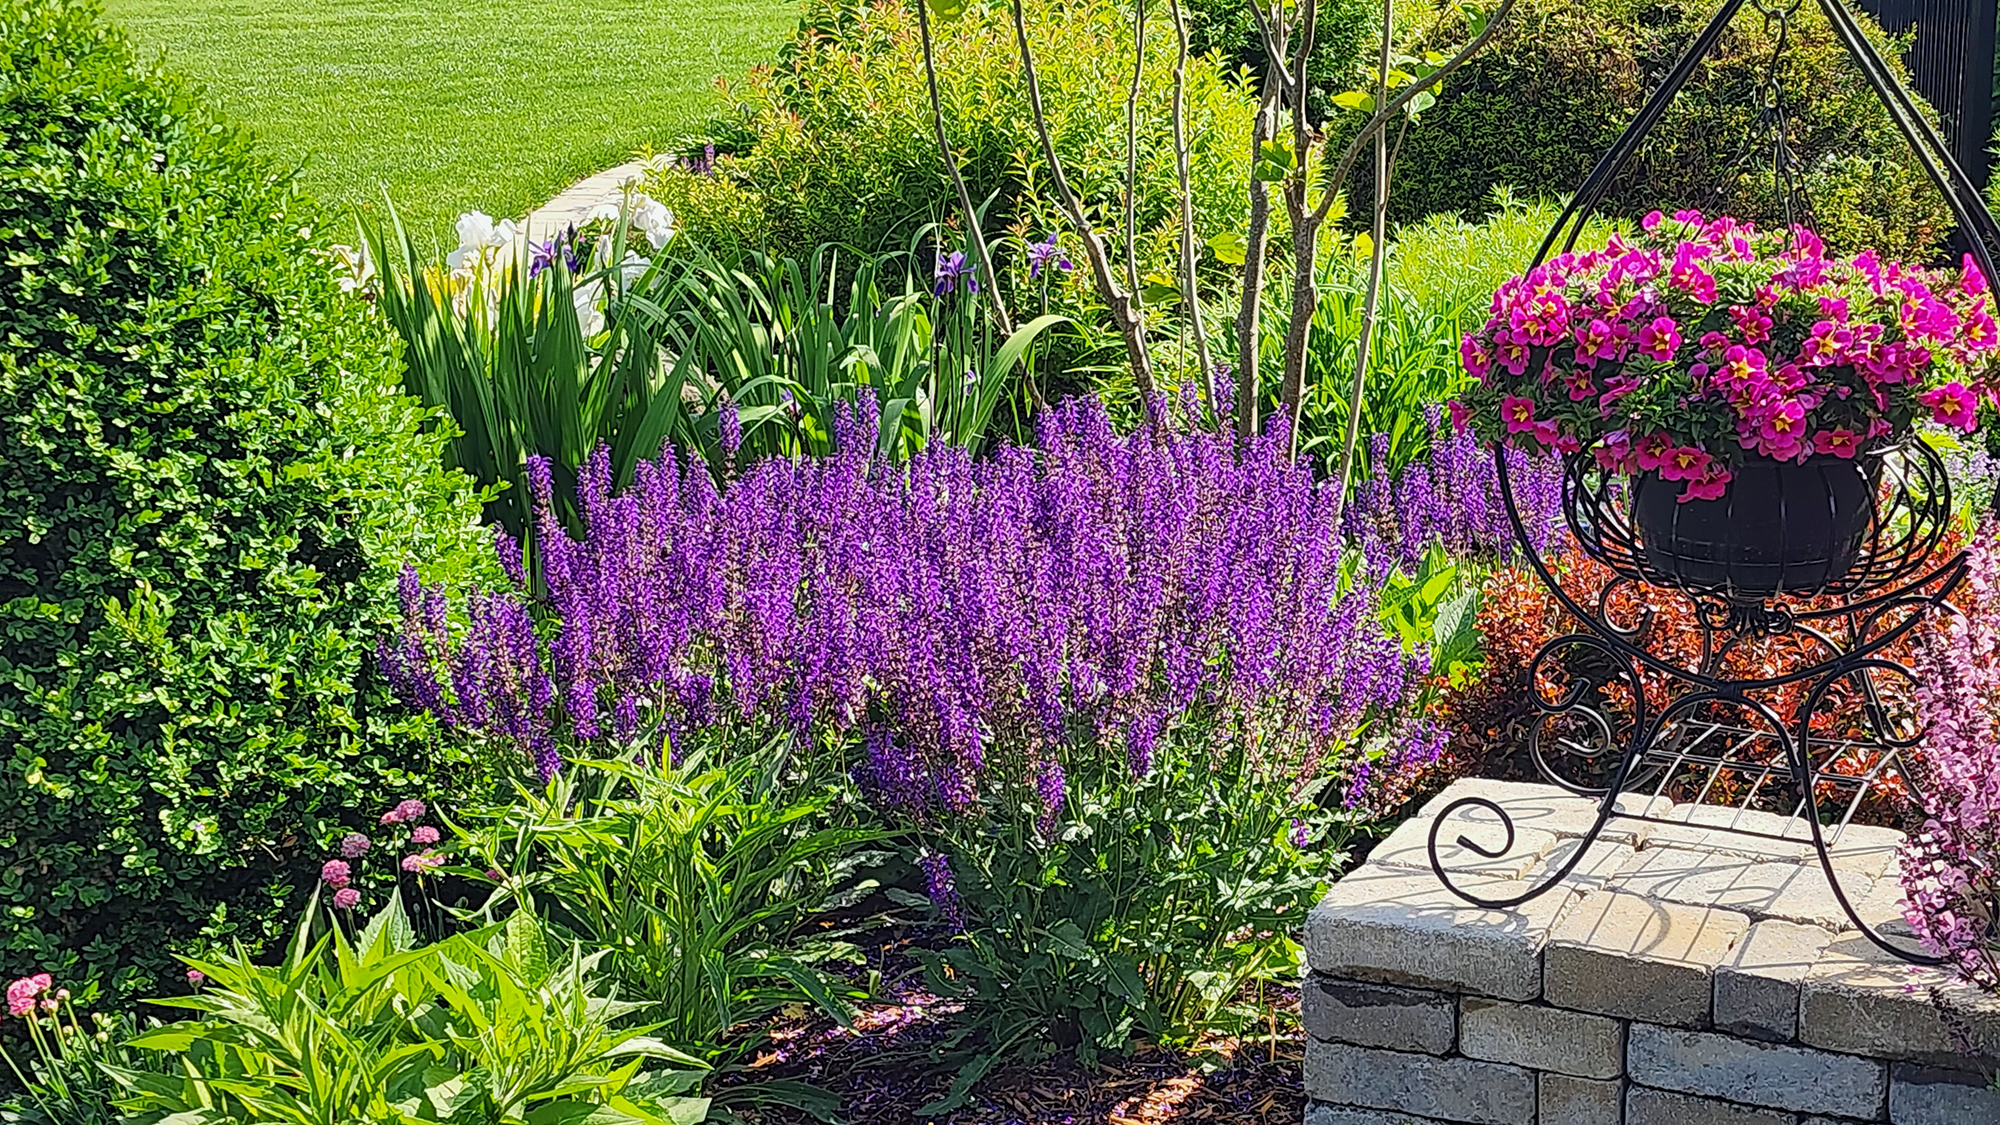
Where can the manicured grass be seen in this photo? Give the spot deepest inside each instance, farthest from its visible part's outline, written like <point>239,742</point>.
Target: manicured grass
<point>456,104</point>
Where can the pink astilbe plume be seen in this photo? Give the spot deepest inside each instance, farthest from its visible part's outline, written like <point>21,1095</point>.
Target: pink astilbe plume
<point>1951,866</point>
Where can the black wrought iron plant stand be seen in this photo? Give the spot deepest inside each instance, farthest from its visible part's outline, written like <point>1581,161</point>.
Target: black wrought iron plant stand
<point>1822,723</point>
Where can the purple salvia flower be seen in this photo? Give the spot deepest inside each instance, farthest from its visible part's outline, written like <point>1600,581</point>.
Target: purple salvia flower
<point>942,889</point>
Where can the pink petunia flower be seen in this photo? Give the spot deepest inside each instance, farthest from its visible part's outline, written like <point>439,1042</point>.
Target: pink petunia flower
<point>1652,450</point>
<point>1709,486</point>
<point>1687,462</point>
<point>1953,405</point>
<point>1659,339</point>
<point>1840,442</point>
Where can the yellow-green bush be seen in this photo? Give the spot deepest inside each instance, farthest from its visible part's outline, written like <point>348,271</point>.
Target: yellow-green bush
<point>833,142</point>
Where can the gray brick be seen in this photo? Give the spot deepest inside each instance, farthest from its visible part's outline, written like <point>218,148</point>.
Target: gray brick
<point>1861,1000</point>
<point>1757,985</point>
<point>1923,1096</point>
<point>1321,1113</point>
<point>1409,846</point>
<point>1378,1015</point>
<point>1617,954</point>
<point>1861,849</point>
<point>1658,1107</point>
<point>1541,1038</point>
<point>1563,1100</point>
<point>1457,1090</point>
<point>1793,892</point>
<point>1548,809</point>
<point>1397,926</point>
<point>1760,1074</point>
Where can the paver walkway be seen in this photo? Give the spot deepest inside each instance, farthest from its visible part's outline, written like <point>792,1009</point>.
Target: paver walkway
<point>576,201</point>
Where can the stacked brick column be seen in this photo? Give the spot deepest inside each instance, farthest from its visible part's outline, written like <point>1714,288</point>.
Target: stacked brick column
<point>1680,976</point>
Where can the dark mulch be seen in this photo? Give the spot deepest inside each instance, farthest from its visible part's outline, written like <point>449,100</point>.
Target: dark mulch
<point>887,1066</point>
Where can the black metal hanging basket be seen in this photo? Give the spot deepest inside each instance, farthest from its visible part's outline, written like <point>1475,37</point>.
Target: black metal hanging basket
<point>1801,581</point>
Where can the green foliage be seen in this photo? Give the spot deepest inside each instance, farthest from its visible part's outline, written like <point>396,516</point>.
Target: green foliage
<point>1425,310</point>
<point>556,362</point>
<point>501,1026</point>
<point>1563,77</point>
<point>789,340</point>
<point>1228,29</point>
<point>835,139</point>
<point>505,350</point>
<point>210,484</point>
<point>1142,909</point>
<point>692,879</point>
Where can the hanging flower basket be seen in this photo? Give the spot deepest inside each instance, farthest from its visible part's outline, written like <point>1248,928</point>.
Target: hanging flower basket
<point>1746,387</point>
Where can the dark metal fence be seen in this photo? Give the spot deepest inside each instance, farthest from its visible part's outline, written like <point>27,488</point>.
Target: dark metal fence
<point>1952,65</point>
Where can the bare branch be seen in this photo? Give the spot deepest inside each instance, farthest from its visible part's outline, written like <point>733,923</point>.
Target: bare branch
<point>1190,292</point>
<point>1378,251</point>
<point>1132,146</point>
<point>973,233</point>
<point>1248,313</point>
<point>1124,313</point>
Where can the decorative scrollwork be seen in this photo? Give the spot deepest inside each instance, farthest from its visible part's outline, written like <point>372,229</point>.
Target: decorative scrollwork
<point>1790,690</point>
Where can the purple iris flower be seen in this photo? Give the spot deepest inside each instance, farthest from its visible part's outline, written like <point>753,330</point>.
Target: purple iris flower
<point>1045,253</point>
<point>951,269</point>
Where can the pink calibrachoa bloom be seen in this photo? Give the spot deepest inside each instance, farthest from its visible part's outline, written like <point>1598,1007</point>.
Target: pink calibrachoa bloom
<point>346,898</point>
<point>1685,463</point>
<point>1659,339</point>
<point>1828,344</point>
<point>1652,451</point>
<point>1802,346</point>
<point>1953,405</point>
<point>1709,486</point>
<point>423,834</point>
<point>1751,323</point>
<point>1475,356</point>
<point>336,873</point>
<point>1459,415</point>
<point>1842,443</point>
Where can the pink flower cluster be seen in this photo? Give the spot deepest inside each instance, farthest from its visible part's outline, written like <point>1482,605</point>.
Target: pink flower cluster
<point>1702,341</point>
<point>339,873</point>
<point>38,991</point>
<point>1951,866</point>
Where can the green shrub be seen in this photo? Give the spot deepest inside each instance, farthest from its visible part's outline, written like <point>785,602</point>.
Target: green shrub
<point>1554,89</point>
<point>835,143</point>
<point>209,485</point>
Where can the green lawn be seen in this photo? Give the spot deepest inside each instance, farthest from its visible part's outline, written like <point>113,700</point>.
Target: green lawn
<point>456,104</point>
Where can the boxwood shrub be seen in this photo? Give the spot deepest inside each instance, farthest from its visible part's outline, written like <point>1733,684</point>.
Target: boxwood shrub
<point>207,487</point>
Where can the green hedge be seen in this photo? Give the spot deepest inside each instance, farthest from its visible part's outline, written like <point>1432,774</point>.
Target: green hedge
<point>1560,81</point>
<point>206,490</point>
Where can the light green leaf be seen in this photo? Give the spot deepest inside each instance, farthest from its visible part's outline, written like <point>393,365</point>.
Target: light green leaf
<point>1230,247</point>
